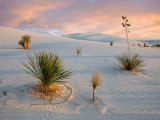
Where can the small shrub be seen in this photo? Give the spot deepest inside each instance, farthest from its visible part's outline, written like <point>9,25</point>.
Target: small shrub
<point>158,45</point>
<point>134,63</point>
<point>48,69</point>
<point>4,92</point>
<point>111,43</point>
<point>25,41</point>
<point>95,81</point>
<point>78,50</point>
<point>139,45</point>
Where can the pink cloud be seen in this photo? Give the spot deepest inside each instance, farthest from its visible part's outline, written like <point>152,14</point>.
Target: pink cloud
<point>103,16</point>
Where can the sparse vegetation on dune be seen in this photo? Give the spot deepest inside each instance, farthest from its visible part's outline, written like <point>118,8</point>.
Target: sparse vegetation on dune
<point>50,71</point>
<point>95,81</point>
<point>25,41</point>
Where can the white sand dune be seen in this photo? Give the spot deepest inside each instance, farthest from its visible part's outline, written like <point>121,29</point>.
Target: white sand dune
<point>122,95</point>
<point>105,38</point>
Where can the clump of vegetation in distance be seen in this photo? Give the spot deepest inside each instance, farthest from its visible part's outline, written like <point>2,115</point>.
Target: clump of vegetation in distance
<point>158,45</point>
<point>25,41</point>
<point>78,51</point>
<point>111,43</point>
<point>4,92</point>
<point>49,70</point>
<point>129,62</point>
<point>95,81</point>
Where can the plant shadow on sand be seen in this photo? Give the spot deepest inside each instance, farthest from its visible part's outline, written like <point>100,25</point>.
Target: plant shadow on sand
<point>23,95</point>
<point>98,103</point>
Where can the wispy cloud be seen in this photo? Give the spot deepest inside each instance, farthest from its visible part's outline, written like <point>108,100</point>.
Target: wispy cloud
<point>71,16</point>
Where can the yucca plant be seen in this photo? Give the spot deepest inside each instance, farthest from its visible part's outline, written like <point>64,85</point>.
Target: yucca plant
<point>134,62</point>
<point>95,81</point>
<point>49,70</point>
<point>78,50</point>
<point>129,62</point>
<point>25,41</point>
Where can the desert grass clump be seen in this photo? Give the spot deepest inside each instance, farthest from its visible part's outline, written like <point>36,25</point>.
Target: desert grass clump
<point>78,50</point>
<point>95,81</point>
<point>134,63</point>
<point>4,92</point>
<point>111,43</point>
<point>25,41</point>
<point>49,70</point>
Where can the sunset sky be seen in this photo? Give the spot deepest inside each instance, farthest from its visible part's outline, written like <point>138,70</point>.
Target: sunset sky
<point>81,16</point>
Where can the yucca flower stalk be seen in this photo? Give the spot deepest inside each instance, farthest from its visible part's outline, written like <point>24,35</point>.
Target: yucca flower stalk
<point>25,41</point>
<point>78,50</point>
<point>125,24</point>
<point>48,69</point>
<point>95,81</point>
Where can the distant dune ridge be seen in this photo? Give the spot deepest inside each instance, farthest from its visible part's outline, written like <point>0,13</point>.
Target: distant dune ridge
<point>11,36</point>
<point>106,38</point>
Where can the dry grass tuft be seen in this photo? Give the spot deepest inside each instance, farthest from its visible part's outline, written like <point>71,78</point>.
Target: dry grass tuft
<point>47,91</point>
<point>95,81</point>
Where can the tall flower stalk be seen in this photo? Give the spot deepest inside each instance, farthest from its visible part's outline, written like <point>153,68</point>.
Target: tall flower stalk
<point>125,24</point>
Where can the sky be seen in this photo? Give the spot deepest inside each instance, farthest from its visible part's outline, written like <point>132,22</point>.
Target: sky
<point>82,16</point>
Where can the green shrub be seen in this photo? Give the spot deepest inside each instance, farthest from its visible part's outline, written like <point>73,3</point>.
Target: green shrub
<point>4,92</point>
<point>78,50</point>
<point>134,63</point>
<point>48,69</point>
<point>25,41</point>
<point>111,43</point>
